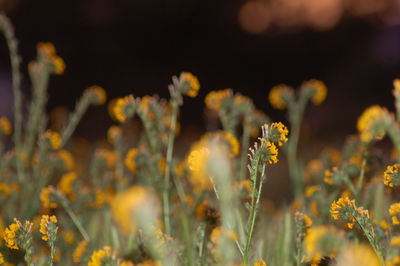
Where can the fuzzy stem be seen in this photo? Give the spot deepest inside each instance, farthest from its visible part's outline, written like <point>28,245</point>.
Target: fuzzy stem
<point>75,220</point>
<point>361,179</point>
<point>245,144</point>
<point>15,59</point>
<point>170,149</point>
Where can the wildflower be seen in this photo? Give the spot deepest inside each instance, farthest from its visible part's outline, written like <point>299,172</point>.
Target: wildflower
<point>391,177</point>
<point>132,202</point>
<point>99,256</point>
<point>67,159</point>
<point>358,254</point>
<point>79,251</point>
<point>126,263</point>
<point>145,107</point>
<point>65,184</point>
<point>320,90</point>
<point>124,108</point>
<point>310,190</point>
<point>5,190</point>
<point>10,235</point>
<point>198,160</point>
<point>201,210</point>
<point>261,262</point>
<point>395,261</point>
<point>214,99</point>
<point>368,123</point>
<point>276,96</point>
<point>46,197</point>
<point>313,207</point>
<point>114,133</point>
<point>99,199</point>
<point>107,156</point>
<point>346,209</point>
<point>97,94</point>
<point>328,177</point>
<point>219,232</point>
<point>48,227</point>
<point>68,237</point>
<point>396,85</point>
<point>130,158</point>
<point>1,258</point>
<point>5,126</point>
<point>270,152</point>
<point>53,138</point>
<point>192,84</point>
<point>395,241</point>
<point>47,51</point>
<point>394,211</point>
<point>149,263</point>
<point>304,222</point>
<point>278,133</point>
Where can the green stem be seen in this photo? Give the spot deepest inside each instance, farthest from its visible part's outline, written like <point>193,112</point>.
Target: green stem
<point>75,220</point>
<point>15,59</point>
<point>244,149</point>
<point>170,149</point>
<point>361,179</point>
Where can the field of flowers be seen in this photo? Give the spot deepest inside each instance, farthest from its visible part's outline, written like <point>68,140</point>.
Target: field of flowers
<point>133,201</point>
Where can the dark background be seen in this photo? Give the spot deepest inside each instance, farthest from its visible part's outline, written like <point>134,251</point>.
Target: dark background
<point>135,46</point>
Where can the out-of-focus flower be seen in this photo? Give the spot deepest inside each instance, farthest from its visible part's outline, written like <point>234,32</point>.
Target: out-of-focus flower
<point>391,177</point>
<point>124,108</point>
<point>5,126</point>
<point>192,84</point>
<point>98,95</point>
<point>53,138</point>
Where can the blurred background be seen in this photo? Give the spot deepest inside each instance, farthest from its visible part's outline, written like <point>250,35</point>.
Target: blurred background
<point>135,46</point>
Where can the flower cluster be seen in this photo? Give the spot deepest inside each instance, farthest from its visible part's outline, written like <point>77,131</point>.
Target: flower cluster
<point>391,176</point>
<point>370,124</point>
<point>48,227</point>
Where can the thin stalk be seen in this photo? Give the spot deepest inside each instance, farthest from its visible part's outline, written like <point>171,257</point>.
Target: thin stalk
<point>170,148</point>
<point>76,221</point>
<point>361,179</point>
<point>245,145</point>
<point>255,199</point>
<point>15,59</point>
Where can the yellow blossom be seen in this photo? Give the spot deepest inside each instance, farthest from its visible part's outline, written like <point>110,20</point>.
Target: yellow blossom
<point>130,159</point>
<point>391,177</point>
<point>193,82</point>
<point>5,190</point>
<point>68,237</point>
<point>275,96</point>
<point>214,99</point>
<point>395,241</point>
<point>320,90</point>
<point>278,133</point>
<point>1,259</point>
<point>113,134</point>
<point>367,121</point>
<point>201,210</point>
<point>149,263</point>
<point>5,126</point>
<point>124,108</point>
<point>79,251</point>
<point>261,262</point>
<point>10,235</point>
<point>310,190</point>
<point>44,223</point>
<point>396,85</point>
<point>45,197</point>
<point>273,152</point>
<point>357,254</point>
<point>67,158</point>
<point>98,93</point>
<point>338,205</point>
<point>394,210</point>
<point>219,232</point>
<point>54,139</point>
<point>98,256</point>
<point>66,182</point>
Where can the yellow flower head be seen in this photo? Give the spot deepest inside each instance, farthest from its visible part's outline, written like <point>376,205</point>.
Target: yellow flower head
<point>395,241</point>
<point>321,241</point>
<point>278,133</point>
<point>67,159</point>
<point>391,177</point>
<point>10,235</point>
<point>124,108</point>
<point>276,98</point>
<point>310,190</point>
<point>130,159</point>
<point>98,95</point>
<point>145,106</point>
<point>220,232</point>
<point>214,99</point>
<point>394,211</point>
<point>109,157</point>
<point>357,254</point>
<point>368,123</point>
<point>45,222</point>
<point>193,85</point>
<point>47,51</point>
<point>46,197</point>
<point>304,220</point>
<point>59,65</point>
<point>113,134</point>
<point>1,258</point>
<point>68,237</point>
<point>79,251</point>
<point>272,152</point>
<point>344,208</point>
<point>5,126</point>
<point>66,182</point>
<point>198,161</point>
<point>98,256</point>
<point>5,190</point>
<point>131,203</point>
<point>261,262</point>
<point>396,85</point>
<point>320,90</point>
<point>53,138</point>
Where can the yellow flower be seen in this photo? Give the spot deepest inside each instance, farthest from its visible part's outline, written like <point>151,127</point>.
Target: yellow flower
<point>145,106</point>
<point>45,197</point>
<point>338,205</point>
<point>367,121</point>
<point>320,90</point>
<point>304,220</point>
<point>310,190</point>
<point>130,203</point>
<point>124,108</point>
<point>65,184</point>
<point>44,224</point>
<point>149,263</point>
<point>59,65</point>
<point>5,126</point>
<point>99,255</point>
<point>278,133</point>
<point>46,48</point>
<point>275,96</point>
<point>396,85</point>
<point>395,241</point>
<point>5,190</point>
<point>328,177</point>
<point>47,51</point>
<point>214,99</point>
<point>261,262</point>
<point>68,237</point>
<point>201,210</point>
<point>233,143</point>
<point>67,158</point>
<point>54,139</point>
<point>391,177</point>
<point>394,210</point>
<point>110,157</point>
<point>98,93</point>
<point>193,82</point>
<point>79,251</point>
<point>10,235</point>
<point>355,255</point>
<point>219,232</point>
<point>198,160</point>
<point>1,258</point>
<point>273,152</point>
<point>113,134</point>
<point>126,263</point>
<point>130,158</point>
